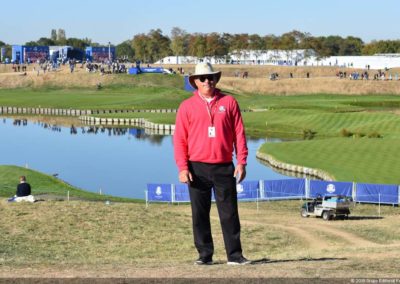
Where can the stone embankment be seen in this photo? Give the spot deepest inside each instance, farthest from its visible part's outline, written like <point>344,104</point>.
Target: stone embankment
<point>44,111</point>
<point>294,168</point>
<point>87,116</point>
<point>73,112</point>
<point>138,122</point>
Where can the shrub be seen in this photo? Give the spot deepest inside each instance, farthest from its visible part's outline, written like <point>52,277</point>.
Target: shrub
<point>346,133</point>
<point>308,134</point>
<point>374,135</point>
<point>358,135</point>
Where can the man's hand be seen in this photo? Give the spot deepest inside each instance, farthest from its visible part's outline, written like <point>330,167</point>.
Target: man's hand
<point>185,176</point>
<point>240,173</point>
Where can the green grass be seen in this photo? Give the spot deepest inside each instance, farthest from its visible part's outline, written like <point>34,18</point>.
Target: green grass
<point>323,102</point>
<point>292,122</point>
<point>43,184</point>
<point>126,92</point>
<point>375,233</point>
<point>290,116</point>
<point>348,159</point>
<point>132,98</point>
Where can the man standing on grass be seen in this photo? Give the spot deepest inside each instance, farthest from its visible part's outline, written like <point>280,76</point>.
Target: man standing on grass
<point>208,129</point>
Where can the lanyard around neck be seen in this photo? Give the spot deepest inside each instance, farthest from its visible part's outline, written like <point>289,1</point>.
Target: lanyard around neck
<point>210,112</point>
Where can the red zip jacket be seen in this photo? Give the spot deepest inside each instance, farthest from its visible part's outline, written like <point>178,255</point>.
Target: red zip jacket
<point>191,136</point>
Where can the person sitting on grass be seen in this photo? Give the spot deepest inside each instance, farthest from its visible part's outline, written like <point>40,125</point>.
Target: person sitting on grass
<point>23,192</point>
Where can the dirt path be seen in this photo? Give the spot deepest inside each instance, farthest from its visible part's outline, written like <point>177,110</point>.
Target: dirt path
<point>353,240</point>
<point>312,241</point>
<point>305,232</point>
<point>299,232</point>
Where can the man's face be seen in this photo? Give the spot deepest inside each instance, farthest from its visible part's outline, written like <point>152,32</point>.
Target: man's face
<point>205,84</point>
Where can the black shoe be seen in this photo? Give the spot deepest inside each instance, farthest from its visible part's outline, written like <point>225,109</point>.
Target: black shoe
<point>203,262</point>
<point>240,261</point>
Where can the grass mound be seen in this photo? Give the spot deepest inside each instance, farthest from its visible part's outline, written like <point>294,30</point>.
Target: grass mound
<point>358,160</point>
<point>49,186</point>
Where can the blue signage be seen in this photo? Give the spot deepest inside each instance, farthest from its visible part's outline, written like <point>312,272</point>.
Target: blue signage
<point>159,192</point>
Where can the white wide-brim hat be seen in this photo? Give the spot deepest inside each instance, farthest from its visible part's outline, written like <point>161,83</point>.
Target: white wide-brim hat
<point>201,70</point>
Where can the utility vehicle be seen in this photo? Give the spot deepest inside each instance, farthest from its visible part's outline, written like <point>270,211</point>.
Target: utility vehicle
<point>327,207</point>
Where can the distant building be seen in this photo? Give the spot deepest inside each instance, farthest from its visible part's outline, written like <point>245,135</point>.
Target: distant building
<point>178,60</point>
<point>254,57</point>
<point>271,57</point>
<point>64,53</point>
<point>379,61</point>
<point>100,53</point>
<point>298,57</point>
<point>29,54</point>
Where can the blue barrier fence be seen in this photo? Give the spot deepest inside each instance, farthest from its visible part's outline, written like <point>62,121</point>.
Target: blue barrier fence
<point>375,193</point>
<point>286,189</point>
<point>320,187</point>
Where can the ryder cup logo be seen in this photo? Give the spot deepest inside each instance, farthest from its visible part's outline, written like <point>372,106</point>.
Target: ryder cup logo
<point>221,109</point>
<point>330,188</point>
<point>158,190</point>
<point>239,188</point>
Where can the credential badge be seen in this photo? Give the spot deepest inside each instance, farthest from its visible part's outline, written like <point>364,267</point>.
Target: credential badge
<point>239,188</point>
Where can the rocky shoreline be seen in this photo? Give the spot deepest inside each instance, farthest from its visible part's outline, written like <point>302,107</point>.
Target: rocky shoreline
<point>274,163</point>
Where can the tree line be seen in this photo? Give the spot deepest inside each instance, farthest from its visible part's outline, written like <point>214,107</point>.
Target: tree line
<point>154,45</point>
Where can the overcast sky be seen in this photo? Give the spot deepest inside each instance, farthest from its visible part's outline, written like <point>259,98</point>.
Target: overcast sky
<point>119,20</point>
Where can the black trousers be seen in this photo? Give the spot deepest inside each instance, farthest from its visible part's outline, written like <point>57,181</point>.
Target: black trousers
<point>220,177</point>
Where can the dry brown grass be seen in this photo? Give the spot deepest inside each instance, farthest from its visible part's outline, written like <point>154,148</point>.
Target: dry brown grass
<point>295,86</point>
<point>263,71</point>
<point>62,78</point>
<point>6,68</point>
<point>86,239</point>
<point>322,80</point>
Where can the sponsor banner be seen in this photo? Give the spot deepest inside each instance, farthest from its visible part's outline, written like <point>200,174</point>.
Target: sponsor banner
<point>33,54</point>
<point>100,53</point>
<point>188,87</point>
<point>159,192</point>
<point>151,70</point>
<point>320,187</point>
<point>133,71</point>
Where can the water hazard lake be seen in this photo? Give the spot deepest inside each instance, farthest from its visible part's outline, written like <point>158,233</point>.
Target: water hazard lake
<point>115,161</point>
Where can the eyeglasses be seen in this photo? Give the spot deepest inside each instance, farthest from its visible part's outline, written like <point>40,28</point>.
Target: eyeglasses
<point>208,77</point>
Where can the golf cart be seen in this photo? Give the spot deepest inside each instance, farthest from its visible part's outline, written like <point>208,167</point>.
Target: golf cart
<point>327,207</point>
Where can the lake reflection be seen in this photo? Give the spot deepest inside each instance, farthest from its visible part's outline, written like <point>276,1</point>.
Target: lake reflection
<point>117,161</point>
